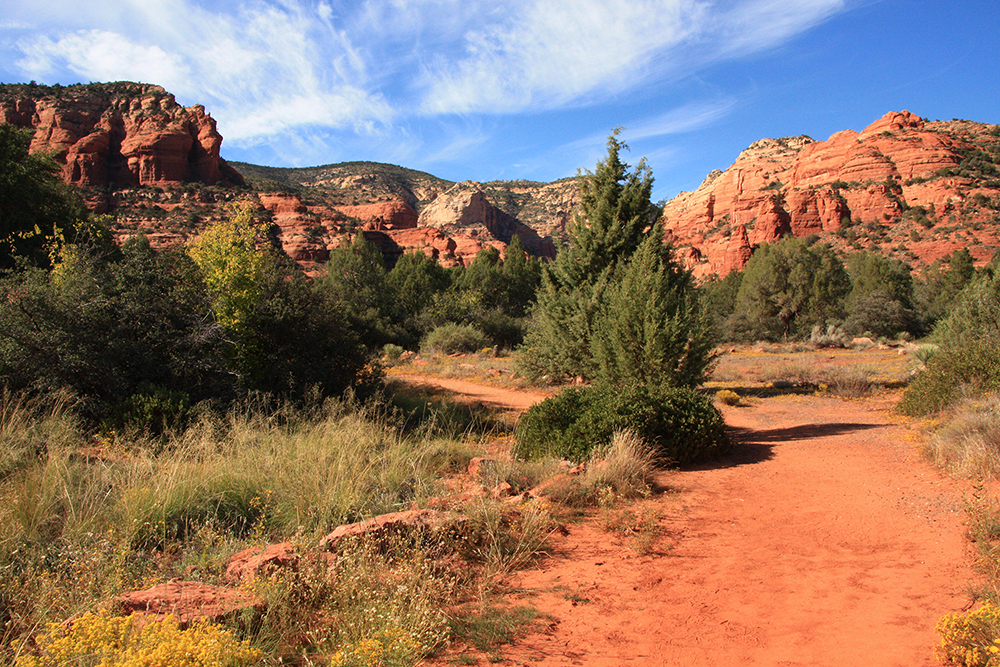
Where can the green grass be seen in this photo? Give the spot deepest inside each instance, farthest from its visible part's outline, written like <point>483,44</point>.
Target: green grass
<point>89,517</point>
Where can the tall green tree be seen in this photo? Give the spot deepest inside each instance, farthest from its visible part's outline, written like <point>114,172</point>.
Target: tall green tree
<point>356,278</point>
<point>36,208</point>
<point>590,319</point>
<point>787,288</point>
<point>941,283</point>
<point>608,226</point>
<point>881,296</point>
<point>649,331</point>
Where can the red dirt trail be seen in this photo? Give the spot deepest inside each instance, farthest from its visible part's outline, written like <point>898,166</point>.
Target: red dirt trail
<point>823,539</point>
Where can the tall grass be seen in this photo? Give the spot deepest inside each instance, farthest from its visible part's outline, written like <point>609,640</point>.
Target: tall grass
<point>86,519</point>
<point>968,445</point>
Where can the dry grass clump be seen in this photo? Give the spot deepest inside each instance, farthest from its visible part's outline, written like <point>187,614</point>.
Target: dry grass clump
<point>854,381</point>
<point>626,466</point>
<point>968,445</point>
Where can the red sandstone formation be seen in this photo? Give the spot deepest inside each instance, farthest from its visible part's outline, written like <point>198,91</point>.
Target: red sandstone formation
<point>124,133</point>
<point>381,216</point>
<point>799,186</point>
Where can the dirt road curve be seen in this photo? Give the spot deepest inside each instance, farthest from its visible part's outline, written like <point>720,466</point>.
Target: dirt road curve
<point>822,540</point>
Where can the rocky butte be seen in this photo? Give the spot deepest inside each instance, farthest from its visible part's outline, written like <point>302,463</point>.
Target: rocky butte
<point>904,186</point>
<point>155,166</point>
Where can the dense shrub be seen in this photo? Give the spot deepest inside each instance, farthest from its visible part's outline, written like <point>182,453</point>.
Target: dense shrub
<point>451,338</point>
<point>680,424</point>
<point>951,373</point>
<point>502,330</point>
<point>970,638</point>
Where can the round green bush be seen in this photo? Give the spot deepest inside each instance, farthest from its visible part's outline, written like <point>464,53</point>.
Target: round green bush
<point>952,373</point>
<point>680,424</point>
<point>451,338</point>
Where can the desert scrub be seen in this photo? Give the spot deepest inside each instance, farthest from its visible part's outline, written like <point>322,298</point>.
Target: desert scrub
<point>503,538</point>
<point>854,381</point>
<point>379,601</point>
<point>454,338</point>
<point>727,397</point>
<point>972,638</point>
<point>135,641</point>
<point>680,425</point>
<point>968,444</point>
<point>82,525</point>
<point>968,370</point>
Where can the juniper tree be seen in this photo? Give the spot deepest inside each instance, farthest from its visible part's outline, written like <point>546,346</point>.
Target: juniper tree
<point>607,227</point>
<point>599,318</point>
<point>649,330</point>
<point>787,288</point>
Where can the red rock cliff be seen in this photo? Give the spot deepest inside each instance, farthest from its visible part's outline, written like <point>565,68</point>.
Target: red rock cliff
<point>122,133</point>
<point>881,182</point>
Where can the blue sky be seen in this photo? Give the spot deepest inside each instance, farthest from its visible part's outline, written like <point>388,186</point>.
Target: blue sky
<point>484,90</point>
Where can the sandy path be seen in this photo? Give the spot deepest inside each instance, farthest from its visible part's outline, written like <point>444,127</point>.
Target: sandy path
<point>822,540</point>
<point>492,396</point>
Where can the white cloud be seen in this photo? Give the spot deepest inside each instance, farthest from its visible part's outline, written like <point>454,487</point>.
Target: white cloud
<point>267,67</point>
<point>553,53</point>
<point>103,56</point>
<point>688,118</point>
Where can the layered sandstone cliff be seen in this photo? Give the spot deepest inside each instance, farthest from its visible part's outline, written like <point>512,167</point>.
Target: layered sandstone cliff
<point>899,182</point>
<point>120,133</point>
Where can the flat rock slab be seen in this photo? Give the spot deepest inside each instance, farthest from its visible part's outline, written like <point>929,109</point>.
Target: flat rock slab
<point>188,601</point>
<point>395,523</point>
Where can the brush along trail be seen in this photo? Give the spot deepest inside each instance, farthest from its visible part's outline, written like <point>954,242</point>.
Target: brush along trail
<point>822,539</point>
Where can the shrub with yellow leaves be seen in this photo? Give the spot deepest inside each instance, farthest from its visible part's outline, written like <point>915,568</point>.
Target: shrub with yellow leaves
<point>971,638</point>
<point>134,641</point>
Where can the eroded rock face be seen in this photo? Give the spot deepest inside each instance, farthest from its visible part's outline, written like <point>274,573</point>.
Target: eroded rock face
<point>465,213</point>
<point>799,186</point>
<point>381,216</point>
<point>121,133</point>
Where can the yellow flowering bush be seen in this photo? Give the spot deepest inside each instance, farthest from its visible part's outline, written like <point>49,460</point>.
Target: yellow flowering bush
<point>727,397</point>
<point>972,638</point>
<point>392,648</point>
<point>133,641</point>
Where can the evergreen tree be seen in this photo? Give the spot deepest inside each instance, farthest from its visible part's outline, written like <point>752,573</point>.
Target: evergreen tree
<point>881,297</point>
<point>610,223</point>
<point>607,310</point>
<point>942,282</point>
<point>649,331</point>
<point>787,288</point>
<point>356,280</point>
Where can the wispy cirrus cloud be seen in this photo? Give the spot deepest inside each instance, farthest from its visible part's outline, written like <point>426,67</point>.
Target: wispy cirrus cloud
<point>402,77</point>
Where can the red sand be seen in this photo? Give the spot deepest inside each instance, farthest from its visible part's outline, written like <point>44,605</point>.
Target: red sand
<point>822,540</point>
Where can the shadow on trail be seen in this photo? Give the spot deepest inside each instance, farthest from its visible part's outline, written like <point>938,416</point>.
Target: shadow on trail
<point>802,432</point>
<point>750,446</point>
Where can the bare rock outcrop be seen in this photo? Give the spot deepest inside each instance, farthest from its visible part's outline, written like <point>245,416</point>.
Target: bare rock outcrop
<point>394,523</point>
<point>188,601</point>
<point>121,133</point>
<point>870,178</point>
